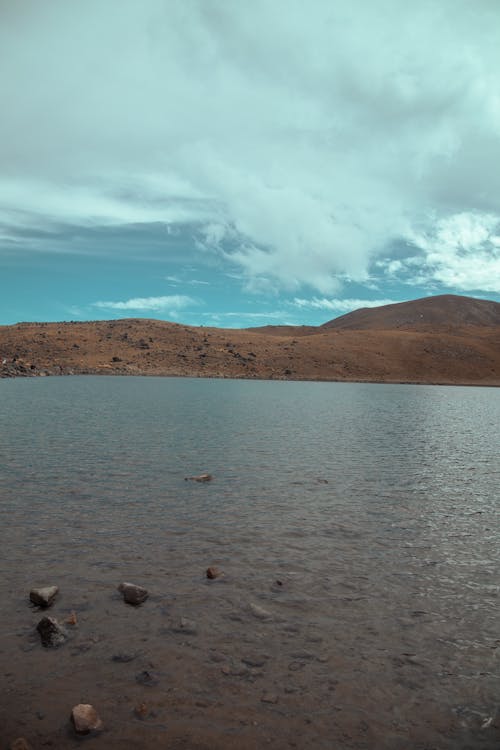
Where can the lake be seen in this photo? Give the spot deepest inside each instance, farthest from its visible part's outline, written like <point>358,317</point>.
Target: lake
<point>357,527</point>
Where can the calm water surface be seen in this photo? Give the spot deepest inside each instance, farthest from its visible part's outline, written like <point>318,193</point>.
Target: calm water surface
<point>375,507</point>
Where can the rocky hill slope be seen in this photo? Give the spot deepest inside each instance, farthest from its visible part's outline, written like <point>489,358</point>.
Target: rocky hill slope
<point>446,339</point>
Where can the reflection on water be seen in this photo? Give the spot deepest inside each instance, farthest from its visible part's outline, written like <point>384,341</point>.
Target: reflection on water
<point>375,507</point>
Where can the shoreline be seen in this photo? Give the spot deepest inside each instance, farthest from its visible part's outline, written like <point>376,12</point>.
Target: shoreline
<point>278,379</point>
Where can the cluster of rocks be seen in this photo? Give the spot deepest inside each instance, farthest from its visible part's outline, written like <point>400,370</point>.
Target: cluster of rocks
<point>53,634</point>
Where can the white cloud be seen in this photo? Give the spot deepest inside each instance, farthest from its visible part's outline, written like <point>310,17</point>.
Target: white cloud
<point>339,305</point>
<point>301,138</point>
<point>170,303</point>
<point>176,280</point>
<point>247,319</point>
<point>462,252</point>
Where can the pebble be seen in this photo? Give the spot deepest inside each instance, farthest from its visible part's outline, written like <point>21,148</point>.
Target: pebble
<point>254,661</point>
<point>44,596</point>
<point>268,697</point>
<point>148,679</point>
<point>213,572</point>
<point>235,671</point>
<point>141,711</point>
<point>51,632</point>
<point>302,655</point>
<point>259,612</point>
<point>122,657</point>
<point>133,594</point>
<point>217,657</point>
<point>20,744</point>
<point>188,627</point>
<point>295,666</point>
<point>86,719</point>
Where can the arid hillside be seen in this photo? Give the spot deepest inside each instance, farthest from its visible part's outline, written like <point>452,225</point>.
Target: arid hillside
<point>446,339</point>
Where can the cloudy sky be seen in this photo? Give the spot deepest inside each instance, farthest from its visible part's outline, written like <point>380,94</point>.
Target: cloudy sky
<point>232,163</point>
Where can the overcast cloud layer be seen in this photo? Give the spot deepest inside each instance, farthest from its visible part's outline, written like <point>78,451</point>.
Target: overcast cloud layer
<point>307,143</point>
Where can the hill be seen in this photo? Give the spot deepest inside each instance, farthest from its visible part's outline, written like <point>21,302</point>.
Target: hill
<point>443,312</point>
<point>447,339</point>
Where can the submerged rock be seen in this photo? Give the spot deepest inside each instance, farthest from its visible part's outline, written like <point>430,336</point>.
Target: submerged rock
<point>133,594</point>
<point>86,719</point>
<point>269,697</point>
<point>185,626</point>
<point>44,596</point>
<point>213,572</point>
<point>148,679</point>
<point>51,632</point>
<point>20,744</point>
<point>123,657</point>
<point>259,612</point>
<point>141,710</point>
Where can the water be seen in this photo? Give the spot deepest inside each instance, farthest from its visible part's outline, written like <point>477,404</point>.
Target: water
<point>374,506</point>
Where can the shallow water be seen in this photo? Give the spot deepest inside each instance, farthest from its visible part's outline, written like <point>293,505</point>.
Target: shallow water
<point>374,506</point>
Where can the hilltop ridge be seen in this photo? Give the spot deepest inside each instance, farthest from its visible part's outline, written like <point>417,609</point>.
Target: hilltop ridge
<point>446,311</point>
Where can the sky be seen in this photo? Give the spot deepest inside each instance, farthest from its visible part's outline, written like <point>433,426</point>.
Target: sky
<point>227,163</point>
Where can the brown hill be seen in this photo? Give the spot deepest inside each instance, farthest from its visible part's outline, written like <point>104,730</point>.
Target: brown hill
<point>453,340</point>
<point>443,312</point>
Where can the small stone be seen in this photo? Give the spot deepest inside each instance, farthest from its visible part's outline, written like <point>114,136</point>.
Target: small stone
<point>20,744</point>
<point>302,655</point>
<point>259,612</point>
<point>200,478</point>
<point>268,697</point>
<point>86,719</point>
<point>51,632</point>
<point>148,679</point>
<point>44,596</point>
<point>254,661</point>
<point>122,657</point>
<point>213,572</point>
<point>72,619</point>
<point>188,627</point>
<point>141,711</point>
<point>232,670</point>
<point>295,666</point>
<point>133,594</point>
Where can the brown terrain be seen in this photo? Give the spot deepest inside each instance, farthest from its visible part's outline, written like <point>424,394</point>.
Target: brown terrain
<point>445,339</point>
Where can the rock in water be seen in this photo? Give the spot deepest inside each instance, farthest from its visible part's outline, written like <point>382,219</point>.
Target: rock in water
<point>44,596</point>
<point>86,719</point>
<point>185,626</point>
<point>133,594</point>
<point>213,572</point>
<point>20,744</point>
<point>259,612</point>
<point>200,478</point>
<point>51,632</point>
